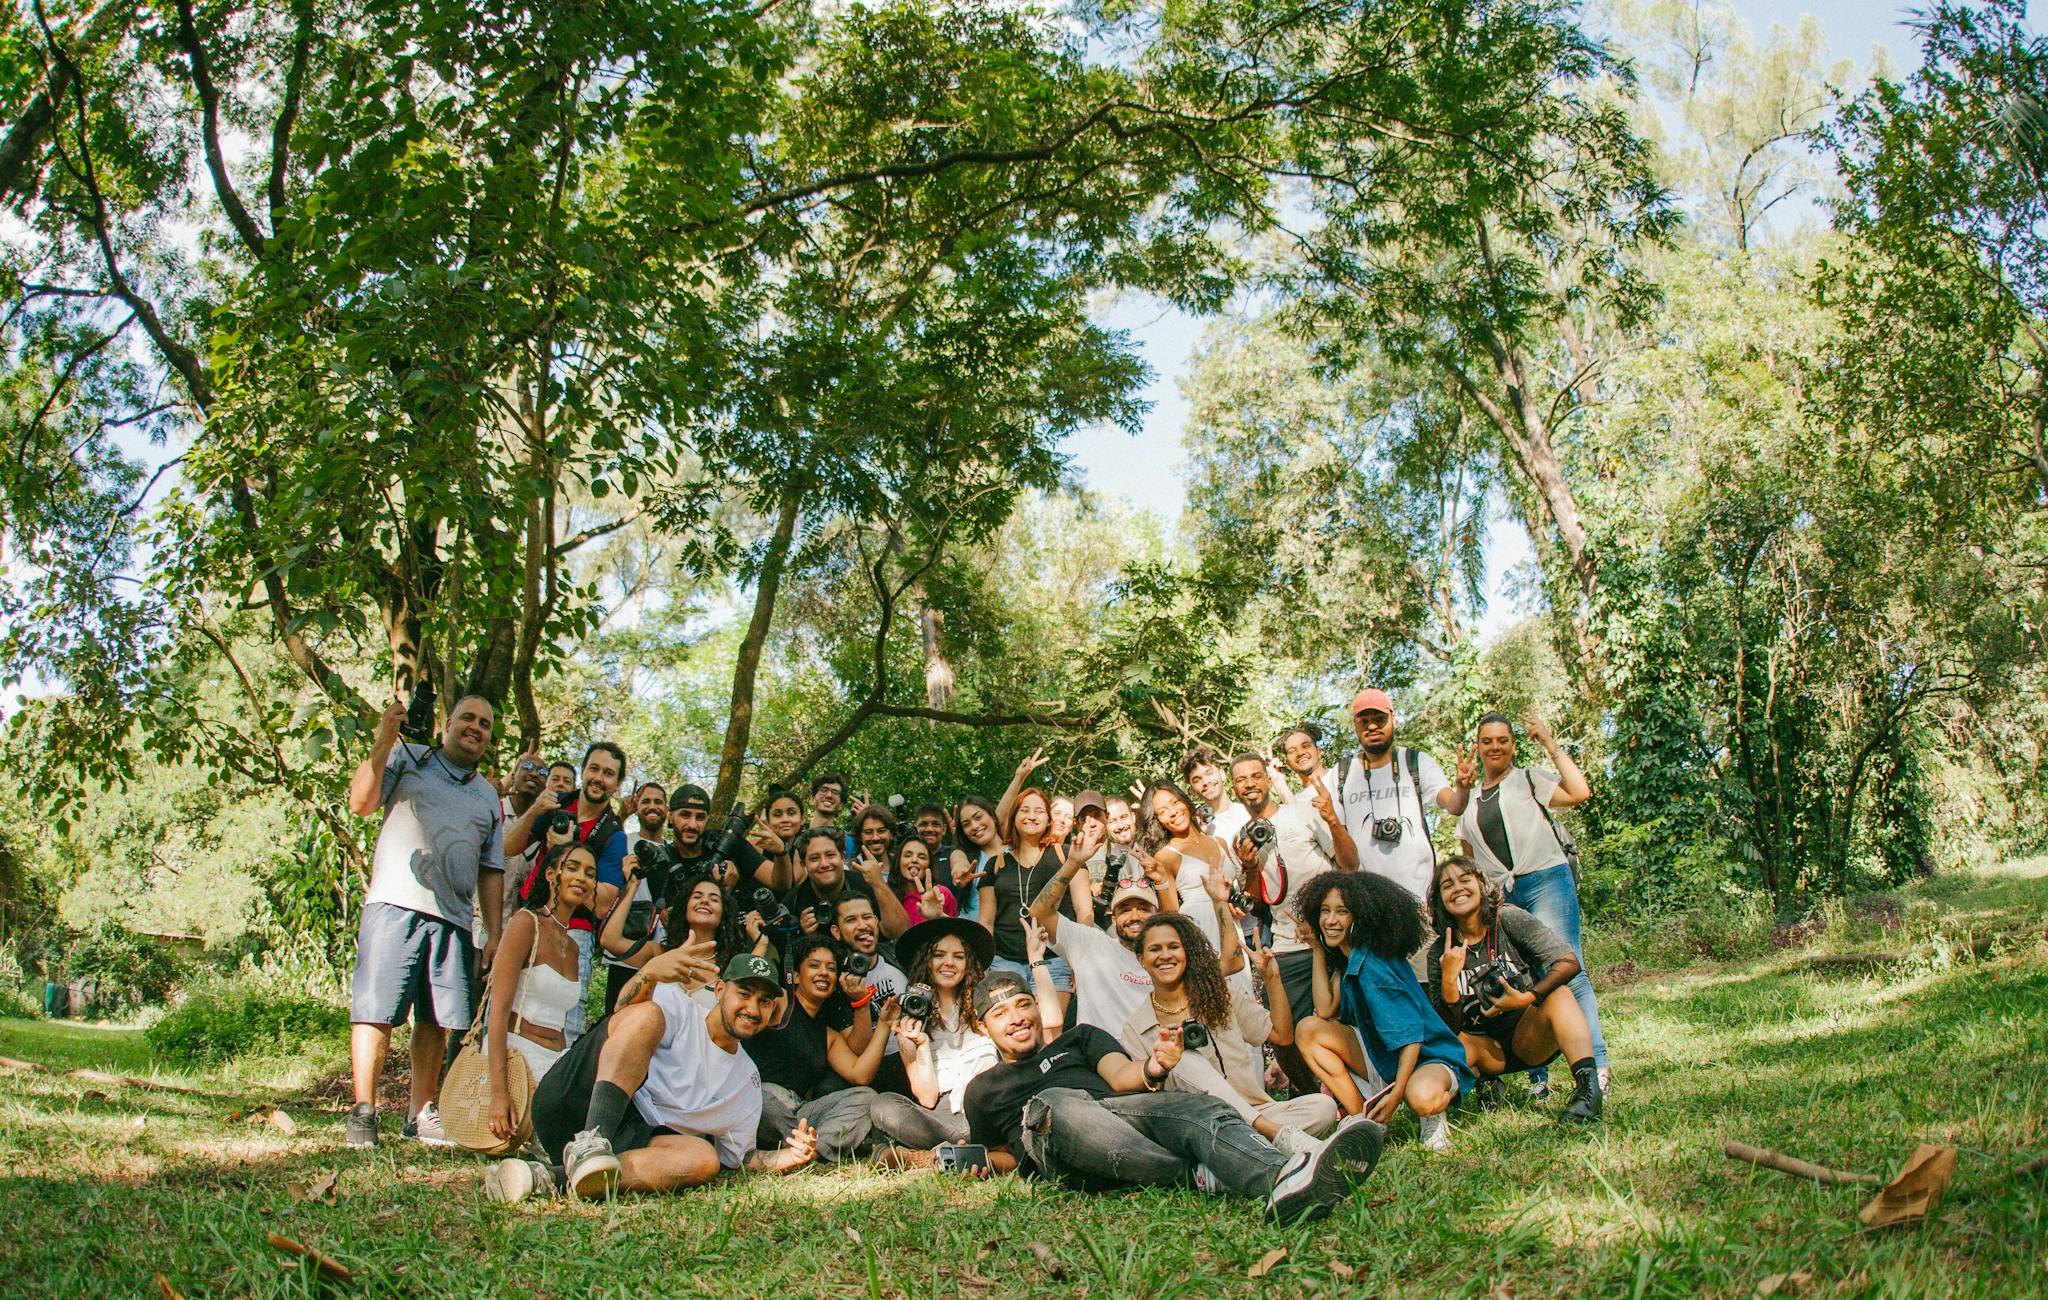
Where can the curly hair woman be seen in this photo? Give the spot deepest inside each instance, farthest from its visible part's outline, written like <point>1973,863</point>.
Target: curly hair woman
<point>1371,1017</point>
<point>1188,985</point>
<point>943,1051</point>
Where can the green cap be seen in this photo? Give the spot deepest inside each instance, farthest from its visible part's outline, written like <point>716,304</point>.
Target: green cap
<point>751,966</point>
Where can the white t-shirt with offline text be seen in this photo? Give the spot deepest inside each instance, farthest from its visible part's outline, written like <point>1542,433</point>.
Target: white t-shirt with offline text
<point>695,1086</point>
<point>1387,791</point>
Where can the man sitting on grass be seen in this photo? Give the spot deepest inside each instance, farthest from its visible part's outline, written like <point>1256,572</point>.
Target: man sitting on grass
<point>659,1095</point>
<point>1081,1110</point>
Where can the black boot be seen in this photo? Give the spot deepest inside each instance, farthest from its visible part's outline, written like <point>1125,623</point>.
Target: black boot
<point>1584,1106</point>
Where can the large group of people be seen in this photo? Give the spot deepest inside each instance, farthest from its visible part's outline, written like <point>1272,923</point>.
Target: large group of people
<point>1233,979</point>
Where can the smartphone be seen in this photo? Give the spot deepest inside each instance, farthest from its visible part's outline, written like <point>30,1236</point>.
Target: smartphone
<point>1376,1098</point>
<point>963,1158</point>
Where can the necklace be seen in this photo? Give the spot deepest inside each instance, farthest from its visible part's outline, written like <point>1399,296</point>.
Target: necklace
<point>1488,793</point>
<point>1164,1012</point>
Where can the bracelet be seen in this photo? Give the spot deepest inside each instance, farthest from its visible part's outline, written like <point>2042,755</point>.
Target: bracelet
<point>1152,1084</point>
<point>863,999</point>
<point>1041,962</point>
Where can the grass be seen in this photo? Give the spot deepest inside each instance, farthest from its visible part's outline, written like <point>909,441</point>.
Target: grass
<point>103,1186</point>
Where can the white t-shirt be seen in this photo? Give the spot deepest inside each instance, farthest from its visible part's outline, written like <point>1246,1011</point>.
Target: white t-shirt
<point>887,982</point>
<point>1532,843</point>
<point>957,1056</point>
<point>1107,977</point>
<point>697,1087</point>
<point>1386,791</point>
<point>1303,849</point>
<point>1226,823</point>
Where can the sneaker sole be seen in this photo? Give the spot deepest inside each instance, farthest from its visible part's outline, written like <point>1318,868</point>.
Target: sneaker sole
<point>1350,1156</point>
<point>508,1181</point>
<point>596,1178</point>
<point>362,1144</point>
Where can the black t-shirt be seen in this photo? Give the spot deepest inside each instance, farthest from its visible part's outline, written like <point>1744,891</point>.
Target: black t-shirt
<point>793,1053</point>
<point>804,896</point>
<point>1015,887</point>
<point>995,1099</point>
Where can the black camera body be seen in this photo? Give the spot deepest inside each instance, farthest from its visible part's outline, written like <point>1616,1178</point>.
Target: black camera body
<point>1194,1035</point>
<point>1489,980</point>
<point>857,963</point>
<point>737,823</point>
<point>1387,830</point>
<point>1260,833</point>
<point>545,825</point>
<point>1240,900</point>
<point>418,726</point>
<point>825,914</point>
<point>917,1002</point>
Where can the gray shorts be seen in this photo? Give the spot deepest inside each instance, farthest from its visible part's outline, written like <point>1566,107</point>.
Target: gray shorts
<point>409,961</point>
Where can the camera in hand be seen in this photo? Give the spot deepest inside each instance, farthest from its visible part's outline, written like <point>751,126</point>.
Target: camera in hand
<point>548,824</point>
<point>1259,833</point>
<point>1387,830</point>
<point>1240,900</point>
<point>1490,980</point>
<point>826,914</point>
<point>737,823</point>
<point>418,726</point>
<point>1194,1035</point>
<point>917,1002</point>
<point>760,898</point>
<point>857,963</point>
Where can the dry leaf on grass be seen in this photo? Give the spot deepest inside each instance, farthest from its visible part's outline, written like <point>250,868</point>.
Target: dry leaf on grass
<point>9,1063</point>
<point>1917,1189</point>
<point>166,1290</point>
<point>320,1189</point>
<point>92,1094</point>
<point>328,1266</point>
<point>282,1122</point>
<point>97,1076</point>
<point>1342,1270</point>
<point>1784,1283</point>
<point>1266,1262</point>
<point>1502,1290</point>
<point>1054,1267</point>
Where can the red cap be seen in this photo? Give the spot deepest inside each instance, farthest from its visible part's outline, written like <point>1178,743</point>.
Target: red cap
<point>1371,698</point>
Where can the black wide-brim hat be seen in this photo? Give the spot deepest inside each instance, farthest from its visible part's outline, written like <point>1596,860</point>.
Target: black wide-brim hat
<point>924,934</point>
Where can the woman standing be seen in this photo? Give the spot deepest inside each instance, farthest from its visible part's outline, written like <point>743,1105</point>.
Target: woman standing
<point>944,1051</point>
<point>982,848</point>
<point>1508,830</point>
<point>771,837</point>
<point>1028,862</point>
<point>1184,853</point>
<point>537,977</point>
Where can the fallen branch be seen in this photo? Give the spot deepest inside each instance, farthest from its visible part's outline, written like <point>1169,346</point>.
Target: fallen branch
<point>1791,1165</point>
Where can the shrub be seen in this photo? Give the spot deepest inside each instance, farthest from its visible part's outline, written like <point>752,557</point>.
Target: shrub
<point>131,970</point>
<point>220,1021</point>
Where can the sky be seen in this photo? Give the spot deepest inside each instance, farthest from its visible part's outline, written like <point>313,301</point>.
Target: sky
<point>1121,465</point>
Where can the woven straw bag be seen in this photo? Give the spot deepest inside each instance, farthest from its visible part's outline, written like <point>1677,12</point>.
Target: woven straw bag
<point>465,1100</point>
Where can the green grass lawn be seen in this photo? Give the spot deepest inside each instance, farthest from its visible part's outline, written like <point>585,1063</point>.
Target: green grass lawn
<point>104,1185</point>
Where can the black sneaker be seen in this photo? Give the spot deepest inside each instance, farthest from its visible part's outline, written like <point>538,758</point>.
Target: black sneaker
<point>1311,1184</point>
<point>362,1125</point>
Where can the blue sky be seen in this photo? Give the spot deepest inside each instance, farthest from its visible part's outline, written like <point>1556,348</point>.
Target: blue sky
<point>1130,466</point>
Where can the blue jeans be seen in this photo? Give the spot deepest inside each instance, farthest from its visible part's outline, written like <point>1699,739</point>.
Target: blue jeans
<point>1552,897</point>
<point>1062,973</point>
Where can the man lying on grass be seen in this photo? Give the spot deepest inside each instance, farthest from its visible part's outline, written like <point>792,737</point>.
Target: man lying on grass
<point>658,1096</point>
<point>1078,1109</point>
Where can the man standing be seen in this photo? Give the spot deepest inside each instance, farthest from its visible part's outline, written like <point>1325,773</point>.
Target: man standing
<point>1388,792</point>
<point>1081,1110</point>
<point>650,851</point>
<point>442,841</point>
<point>826,878</point>
<point>659,1096</point>
<point>1203,776</point>
<point>828,796</point>
<point>591,819</point>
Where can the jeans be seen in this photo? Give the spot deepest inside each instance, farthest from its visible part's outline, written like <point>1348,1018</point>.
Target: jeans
<point>1551,896</point>
<point>842,1119</point>
<point>1062,973</point>
<point>1146,1139</point>
<point>904,1122</point>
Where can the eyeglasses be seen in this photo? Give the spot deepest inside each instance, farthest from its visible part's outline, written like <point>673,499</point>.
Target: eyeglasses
<point>531,767</point>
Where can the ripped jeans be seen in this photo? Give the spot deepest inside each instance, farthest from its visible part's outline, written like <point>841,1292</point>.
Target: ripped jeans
<point>1146,1139</point>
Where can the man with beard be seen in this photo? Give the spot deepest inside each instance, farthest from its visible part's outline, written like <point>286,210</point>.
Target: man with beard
<point>826,879</point>
<point>662,1093</point>
<point>1078,1108</point>
<point>591,821</point>
<point>442,842</point>
<point>1388,793</point>
<point>1202,773</point>
<point>655,863</point>
<point>689,817</point>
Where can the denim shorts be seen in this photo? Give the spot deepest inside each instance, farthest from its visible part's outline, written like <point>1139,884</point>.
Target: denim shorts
<point>1062,974</point>
<point>407,961</point>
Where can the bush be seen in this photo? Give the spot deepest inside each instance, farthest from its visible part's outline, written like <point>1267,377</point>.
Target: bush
<point>131,970</point>
<point>218,1022</point>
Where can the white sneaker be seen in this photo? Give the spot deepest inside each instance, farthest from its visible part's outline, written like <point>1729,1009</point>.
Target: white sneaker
<point>1296,1142</point>
<point>592,1171</point>
<point>1309,1185</point>
<point>1603,1078</point>
<point>1436,1134</point>
<point>1206,1182</point>
<point>515,1180</point>
<point>1539,1090</point>
<point>427,1130</point>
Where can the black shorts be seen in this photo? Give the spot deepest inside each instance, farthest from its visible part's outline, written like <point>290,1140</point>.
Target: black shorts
<point>1501,1029</point>
<point>561,1100</point>
<point>1298,977</point>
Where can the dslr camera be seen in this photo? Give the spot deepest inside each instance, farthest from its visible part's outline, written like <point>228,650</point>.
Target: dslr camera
<point>917,1002</point>
<point>1387,830</point>
<point>1489,980</point>
<point>1194,1035</point>
<point>737,823</point>
<point>418,726</point>
<point>1259,833</point>
<point>760,898</point>
<point>857,963</point>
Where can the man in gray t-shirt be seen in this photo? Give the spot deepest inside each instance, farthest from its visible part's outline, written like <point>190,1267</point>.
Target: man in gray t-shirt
<point>441,843</point>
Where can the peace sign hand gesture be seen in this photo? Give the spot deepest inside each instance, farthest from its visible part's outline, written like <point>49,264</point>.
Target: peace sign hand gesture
<point>1468,768</point>
<point>1031,763</point>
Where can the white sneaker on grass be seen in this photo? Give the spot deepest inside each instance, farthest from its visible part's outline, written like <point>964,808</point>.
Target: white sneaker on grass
<point>591,1169</point>
<point>1309,1185</point>
<point>427,1130</point>
<point>1436,1133</point>
<point>515,1180</point>
<point>1296,1141</point>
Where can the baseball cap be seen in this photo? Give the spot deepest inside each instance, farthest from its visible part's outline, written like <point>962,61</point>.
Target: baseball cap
<point>689,796</point>
<point>751,966</point>
<point>997,989</point>
<point>1089,800</point>
<point>1372,698</point>
<point>1135,889</point>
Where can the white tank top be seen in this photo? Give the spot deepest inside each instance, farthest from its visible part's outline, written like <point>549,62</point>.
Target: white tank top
<point>546,996</point>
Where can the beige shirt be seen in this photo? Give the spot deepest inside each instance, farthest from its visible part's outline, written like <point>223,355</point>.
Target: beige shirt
<point>1233,1050</point>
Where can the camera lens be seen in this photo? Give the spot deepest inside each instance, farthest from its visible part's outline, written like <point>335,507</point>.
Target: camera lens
<point>917,1002</point>
<point>858,963</point>
<point>1194,1035</point>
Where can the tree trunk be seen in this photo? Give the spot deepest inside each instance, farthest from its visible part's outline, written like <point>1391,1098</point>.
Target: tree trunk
<point>739,724</point>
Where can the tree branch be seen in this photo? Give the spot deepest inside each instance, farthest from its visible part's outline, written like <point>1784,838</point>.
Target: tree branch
<point>209,131</point>
<point>288,111</point>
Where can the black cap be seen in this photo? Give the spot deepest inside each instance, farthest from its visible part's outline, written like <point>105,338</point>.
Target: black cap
<point>689,796</point>
<point>996,989</point>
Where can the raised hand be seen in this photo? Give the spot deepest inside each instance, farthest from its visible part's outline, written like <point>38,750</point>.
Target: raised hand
<point>1263,959</point>
<point>1217,886</point>
<point>1155,874</point>
<point>853,985</point>
<point>1453,962</point>
<point>1036,941</point>
<point>1166,1051</point>
<point>388,723</point>
<point>753,925</point>
<point>1538,730</point>
<point>1319,798</point>
<point>857,805</point>
<point>766,842</point>
<point>1087,842</point>
<point>910,1038</point>
<point>1029,764</point>
<point>1468,768</point>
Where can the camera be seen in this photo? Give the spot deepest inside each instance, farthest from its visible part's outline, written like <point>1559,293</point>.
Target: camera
<point>825,914</point>
<point>1240,900</point>
<point>916,1002</point>
<point>1194,1035</point>
<point>737,823</point>
<point>545,825</point>
<point>857,963</point>
<point>418,726</point>
<point>1488,981</point>
<point>1259,833</point>
<point>1387,830</point>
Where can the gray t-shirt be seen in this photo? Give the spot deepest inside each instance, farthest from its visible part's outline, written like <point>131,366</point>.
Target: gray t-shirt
<point>1533,946</point>
<point>442,826</point>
